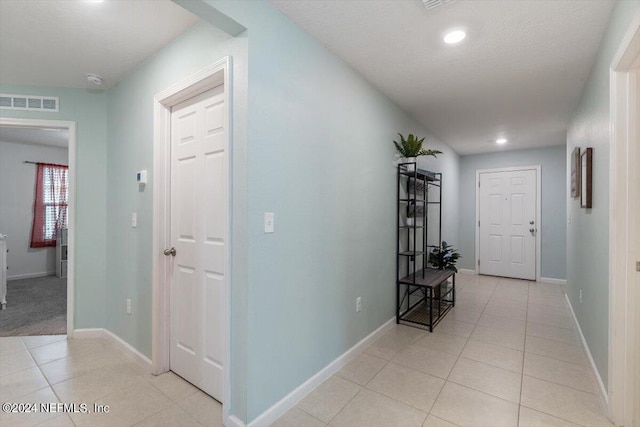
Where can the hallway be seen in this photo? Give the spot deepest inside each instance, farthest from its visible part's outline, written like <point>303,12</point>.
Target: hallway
<point>507,355</point>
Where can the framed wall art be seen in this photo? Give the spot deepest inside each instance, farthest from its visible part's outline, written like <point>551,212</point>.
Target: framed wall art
<point>586,178</point>
<point>575,173</point>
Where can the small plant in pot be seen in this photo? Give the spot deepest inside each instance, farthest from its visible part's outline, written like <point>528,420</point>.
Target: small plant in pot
<point>444,257</point>
<point>411,220</point>
<point>410,148</point>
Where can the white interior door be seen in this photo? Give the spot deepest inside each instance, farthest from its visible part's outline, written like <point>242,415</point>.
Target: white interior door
<point>508,224</point>
<point>199,236</point>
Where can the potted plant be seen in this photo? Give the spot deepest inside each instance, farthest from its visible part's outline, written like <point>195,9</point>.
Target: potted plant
<point>410,148</point>
<point>411,216</point>
<point>444,257</point>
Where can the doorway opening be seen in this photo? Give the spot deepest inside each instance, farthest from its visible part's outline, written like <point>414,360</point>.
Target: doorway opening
<point>624,232</point>
<point>192,230</point>
<point>37,201</point>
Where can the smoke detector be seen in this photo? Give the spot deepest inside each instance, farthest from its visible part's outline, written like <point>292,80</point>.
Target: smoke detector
<point>95,79</point>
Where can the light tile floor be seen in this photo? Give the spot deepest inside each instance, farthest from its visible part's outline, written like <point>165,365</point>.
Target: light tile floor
<point>48,369</point>
<point>508,354</point>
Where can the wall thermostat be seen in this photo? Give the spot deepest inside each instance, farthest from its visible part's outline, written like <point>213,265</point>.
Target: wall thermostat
<point>141,177</point>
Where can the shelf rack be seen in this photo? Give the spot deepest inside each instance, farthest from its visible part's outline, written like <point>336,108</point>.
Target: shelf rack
<point>423,295</point>
<point>61,252</point>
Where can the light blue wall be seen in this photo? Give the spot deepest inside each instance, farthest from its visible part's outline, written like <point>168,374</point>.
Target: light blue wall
<point>321,158</point>
<point>130,125</point>
<point>588,234</point>
<point>553,205</point>
<point>130,149</point>
<point>88,108</point>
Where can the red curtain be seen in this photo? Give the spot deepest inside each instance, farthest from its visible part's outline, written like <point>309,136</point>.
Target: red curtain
<point>50,206</point>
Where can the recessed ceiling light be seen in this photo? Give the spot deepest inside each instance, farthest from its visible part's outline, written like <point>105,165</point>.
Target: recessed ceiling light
<point>454,36</point>
<point>501,141</point>
<point>94,79</point>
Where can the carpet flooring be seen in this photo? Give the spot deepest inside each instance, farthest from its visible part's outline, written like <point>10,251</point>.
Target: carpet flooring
<point>36,306</point>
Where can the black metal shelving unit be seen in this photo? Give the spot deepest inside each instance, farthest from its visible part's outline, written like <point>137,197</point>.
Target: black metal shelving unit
<point>423,295</point>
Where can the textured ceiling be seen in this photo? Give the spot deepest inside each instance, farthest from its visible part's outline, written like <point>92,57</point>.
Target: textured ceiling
<point>55,43</point>
<point>49,137</point>
<point>519,73</point>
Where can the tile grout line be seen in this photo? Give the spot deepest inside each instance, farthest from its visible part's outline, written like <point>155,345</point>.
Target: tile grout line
<point>171,400</point>
<point>300,409</point>
<point>553,416</point>
<point>384,366</point>
<point>523,375</point>
<point>458,358</point>
<point>487,364</point>
<point>560,384</point>
<point>47,379</point>
<point>346,379</point>
<point>446,380</point>
<point>524,352</point>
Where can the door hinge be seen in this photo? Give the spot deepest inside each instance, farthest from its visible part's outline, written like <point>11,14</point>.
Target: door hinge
<point>637,265</point>
<point>478,262</point>
<point>478,184</point>
<point>478,223</point>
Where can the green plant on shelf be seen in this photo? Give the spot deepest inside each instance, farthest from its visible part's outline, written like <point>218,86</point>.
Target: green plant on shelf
<point>411,146</point>
<point>444,257</point>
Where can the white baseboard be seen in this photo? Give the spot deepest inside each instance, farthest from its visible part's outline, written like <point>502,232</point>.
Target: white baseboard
<point>234,421</point>
<point>603,389</point>
<point>289,401</point>
<point>30,275</point>
<point>88,333</point>
<point>552,281</point>
<point>143,360</point>
<point>466,271</point>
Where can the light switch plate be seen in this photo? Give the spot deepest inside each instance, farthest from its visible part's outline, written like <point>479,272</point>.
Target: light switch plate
<point>269,222</point>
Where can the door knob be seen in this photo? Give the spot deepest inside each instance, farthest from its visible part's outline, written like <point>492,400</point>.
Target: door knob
<point>171,252</point>
<point>531,222</point>
<point>531,230</point>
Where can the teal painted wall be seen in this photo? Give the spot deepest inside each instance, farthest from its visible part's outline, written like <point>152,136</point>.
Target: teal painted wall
<point>130,149</point>
<point>588,233</point>
<point>553,204</point>
<point>88,108</point>
<point>321,158</point>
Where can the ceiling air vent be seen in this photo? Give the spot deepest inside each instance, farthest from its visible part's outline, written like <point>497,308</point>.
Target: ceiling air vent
<point>432,4</point>
<point>29,103</point>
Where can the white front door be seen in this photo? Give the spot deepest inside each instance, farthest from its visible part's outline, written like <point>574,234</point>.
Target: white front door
<point>508,223</point>
<point>199,236</point>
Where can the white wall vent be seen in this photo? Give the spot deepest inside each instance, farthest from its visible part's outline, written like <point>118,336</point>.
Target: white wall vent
<point>29,103</point>
<point>431,4</point>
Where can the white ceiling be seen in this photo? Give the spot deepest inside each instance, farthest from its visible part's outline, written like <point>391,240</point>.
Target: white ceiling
<point>519,73</point>
<point>49,137</point>
<point>55,43</point>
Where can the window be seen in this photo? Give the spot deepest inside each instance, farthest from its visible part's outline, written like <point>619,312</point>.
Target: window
<point>50,205</point>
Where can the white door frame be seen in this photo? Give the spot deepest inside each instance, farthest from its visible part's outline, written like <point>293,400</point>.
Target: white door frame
<point>537,168</point>
<point>206,79</point>
<point>71,220</point>
<point>623,295</point>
